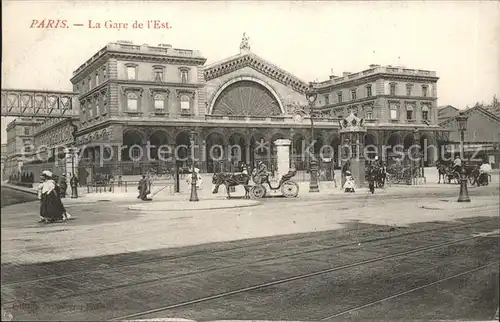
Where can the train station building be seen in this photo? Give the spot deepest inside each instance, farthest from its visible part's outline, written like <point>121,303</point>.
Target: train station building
<point>128,95</point>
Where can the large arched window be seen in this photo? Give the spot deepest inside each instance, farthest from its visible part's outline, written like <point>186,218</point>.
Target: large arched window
<point>132,101</point>
<point>185,103</point>
<point>159,102</point>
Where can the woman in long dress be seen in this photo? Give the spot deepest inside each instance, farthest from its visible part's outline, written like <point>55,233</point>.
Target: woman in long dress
<point>349,183</point>
<point>52,208</point>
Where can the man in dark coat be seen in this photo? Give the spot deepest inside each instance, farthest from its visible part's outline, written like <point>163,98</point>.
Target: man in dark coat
<point>63,185</point>
<point>143,188</point>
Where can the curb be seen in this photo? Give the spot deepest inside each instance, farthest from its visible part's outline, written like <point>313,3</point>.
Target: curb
<point>139,208</point>
<point>8,186</point>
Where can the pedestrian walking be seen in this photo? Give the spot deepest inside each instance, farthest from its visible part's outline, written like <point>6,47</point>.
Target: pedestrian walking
<point>52,208</point>
<point>40,187</point>
<point>63,185</point>
<point>371,179</point>
<point>143,188</point>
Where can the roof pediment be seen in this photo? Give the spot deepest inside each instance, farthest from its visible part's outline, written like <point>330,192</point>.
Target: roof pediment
<point>261,65</point>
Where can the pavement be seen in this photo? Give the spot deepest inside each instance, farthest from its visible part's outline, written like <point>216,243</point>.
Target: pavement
<point>111,261</point>
<point>25,241</point>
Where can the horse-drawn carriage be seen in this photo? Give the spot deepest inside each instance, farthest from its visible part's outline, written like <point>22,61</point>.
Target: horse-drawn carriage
<point>258,190</point>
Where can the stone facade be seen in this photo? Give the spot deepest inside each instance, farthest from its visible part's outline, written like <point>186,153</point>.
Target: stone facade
<point>131,94</point>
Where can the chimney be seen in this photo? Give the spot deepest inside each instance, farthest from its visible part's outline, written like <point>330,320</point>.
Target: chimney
<point>374,65</point>
<point>125,42</point>
<point>346,73</point>
<point>333,76</point>
<point>165,45</point>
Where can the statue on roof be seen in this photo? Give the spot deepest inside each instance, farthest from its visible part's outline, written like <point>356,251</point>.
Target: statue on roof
<point>245,43</point>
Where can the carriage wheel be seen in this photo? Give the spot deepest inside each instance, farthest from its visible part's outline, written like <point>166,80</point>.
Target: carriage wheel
<point>258,191</point>
<point>380,183</point>
<point>290,189</point>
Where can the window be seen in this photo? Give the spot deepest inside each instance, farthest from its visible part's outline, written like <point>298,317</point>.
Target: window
<point>327,99</point>
<point>91,110</point>
<point>339,97</point>
<point>159,102</point>
<point>393,89</point>
<point>353,94</point>
<point>394,112</point>
<point>104,104</point>
<point>369,91</point>
<point>26,131</point>
<point>131,72</point>
<point>132,101</point>
<point>409,112</point>
<point>97,78</point>
<point>368,112</point>
<point>104,76</point>
<point>27,145</point>
<point>90,83</point>
<point>425,113</point>
<point>424,90</point>
<point>185,103</point>
<point>184,76</point>
<point>158,74</point>
<point>409,87</point>
<point>83,86</point>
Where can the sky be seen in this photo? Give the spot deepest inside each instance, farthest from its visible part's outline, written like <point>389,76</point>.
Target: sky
<point>460,40</point>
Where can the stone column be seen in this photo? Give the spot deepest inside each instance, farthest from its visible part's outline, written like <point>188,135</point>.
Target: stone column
<point>283,156</point>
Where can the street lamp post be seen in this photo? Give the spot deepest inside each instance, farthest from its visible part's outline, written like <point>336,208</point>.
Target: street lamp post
<point>73,182</point>
<point>311,95</point>
<point>194,193</point>
<point>462,126</point>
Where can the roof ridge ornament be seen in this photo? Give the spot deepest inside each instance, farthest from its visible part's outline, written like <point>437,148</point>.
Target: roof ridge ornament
<point>245,44</point>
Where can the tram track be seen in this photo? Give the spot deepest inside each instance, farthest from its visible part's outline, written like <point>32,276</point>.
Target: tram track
<point>414,289</point>
<point>247,248</point>
<point>154,282</point>
<point>273,283</point>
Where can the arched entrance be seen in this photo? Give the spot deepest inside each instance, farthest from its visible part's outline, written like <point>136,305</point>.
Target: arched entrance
<point>247,98</point>
<point>394,148</point>
<point>238,151</point>
<point>429,149</point>
<point>370,146</point>
<point>260,149</point>
<point>133,145</point>
<point>215,152</point>
<point>182,149</point>
<point>408,141</point>
<point>158,141</point>
<point>297,154</point>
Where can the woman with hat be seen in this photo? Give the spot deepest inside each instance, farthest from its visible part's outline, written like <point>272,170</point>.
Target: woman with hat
<point>52,208</point>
